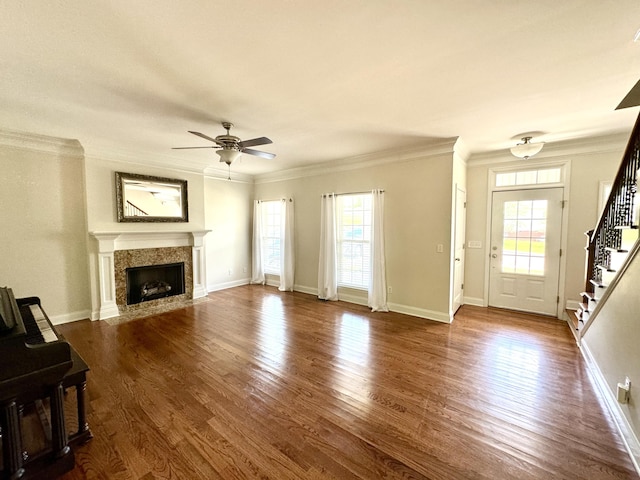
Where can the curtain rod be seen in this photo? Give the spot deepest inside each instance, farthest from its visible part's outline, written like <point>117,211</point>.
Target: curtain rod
<point>349,193</point>
<point>275,200</point>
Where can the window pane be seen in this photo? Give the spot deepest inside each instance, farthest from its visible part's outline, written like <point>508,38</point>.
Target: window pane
<point>271,229</point>
<point>522,264</point>
<point>505,179</point>
<point>524,209</point>
<point>508,263</point>
<point>510,210</point>
<point>524,228</point>
<point>354,237</point>
<point>508,246</point>
<point>510,228</point>
<point>551,175</point>
<point>538,248</point>
<point>539,209</point>
<point>538,228</point>
<point>529,177</point>
<point>526,178</point>
<point>524,239</point>
<point>537,266</point>
<point>523,246</point>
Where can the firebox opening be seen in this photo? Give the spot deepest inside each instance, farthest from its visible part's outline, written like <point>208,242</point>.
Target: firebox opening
<point>154,281</point>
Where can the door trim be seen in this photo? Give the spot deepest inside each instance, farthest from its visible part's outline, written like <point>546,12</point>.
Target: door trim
<point>566,184</point>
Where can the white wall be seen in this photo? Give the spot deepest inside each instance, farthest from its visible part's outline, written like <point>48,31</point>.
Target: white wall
<point>228,213</point>
<point>417,218</point>
<point>101,197</point>
<point>612,342</point>
<point>43,234</point>
<point>587,170</point>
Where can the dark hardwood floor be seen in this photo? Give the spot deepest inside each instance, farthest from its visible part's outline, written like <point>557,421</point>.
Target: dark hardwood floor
<point>256,383</point>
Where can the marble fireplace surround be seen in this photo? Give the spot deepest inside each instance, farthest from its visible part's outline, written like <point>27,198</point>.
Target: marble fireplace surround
<point>166,244</point>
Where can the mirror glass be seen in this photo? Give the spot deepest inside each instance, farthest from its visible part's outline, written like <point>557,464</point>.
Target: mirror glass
<point>143,198</point>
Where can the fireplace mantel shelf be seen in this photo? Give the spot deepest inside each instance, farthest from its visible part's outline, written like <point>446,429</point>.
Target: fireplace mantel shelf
<point>129,240</point>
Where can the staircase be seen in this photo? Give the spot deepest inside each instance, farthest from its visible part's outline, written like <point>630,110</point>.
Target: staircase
<point>609,244</point>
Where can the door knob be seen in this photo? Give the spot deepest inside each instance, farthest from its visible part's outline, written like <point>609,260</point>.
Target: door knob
<point>494,256</point>
<point>457,259</point>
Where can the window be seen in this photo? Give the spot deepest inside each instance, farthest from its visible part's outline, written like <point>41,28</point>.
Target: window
<point>271,231</point>
<point>354,240</point>
<point>529,177</point>
<point>524,237</point>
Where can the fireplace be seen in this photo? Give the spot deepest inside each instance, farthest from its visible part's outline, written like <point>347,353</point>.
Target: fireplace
<point>152,282</point>
<point>148,262</point>
<point>118,251</point>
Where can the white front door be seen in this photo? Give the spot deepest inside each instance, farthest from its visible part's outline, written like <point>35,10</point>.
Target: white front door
<point>458,249</point>
<point>525,250</point>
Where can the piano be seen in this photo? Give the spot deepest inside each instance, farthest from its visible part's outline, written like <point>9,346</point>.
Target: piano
<point>35,364</point>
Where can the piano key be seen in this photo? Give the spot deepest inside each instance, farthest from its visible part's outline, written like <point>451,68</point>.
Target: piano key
<point>43,325</point>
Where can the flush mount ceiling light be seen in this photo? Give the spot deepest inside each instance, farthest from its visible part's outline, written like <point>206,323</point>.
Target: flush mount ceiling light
<point>526,149</point>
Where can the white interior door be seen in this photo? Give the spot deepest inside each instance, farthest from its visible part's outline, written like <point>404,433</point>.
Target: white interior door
<point>458,249</point>
<point>525,250</point>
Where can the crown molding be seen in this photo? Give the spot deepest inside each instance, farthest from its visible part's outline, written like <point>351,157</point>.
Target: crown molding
<point>462,151</point>
<point>41,143</point>
<point>615,142</point>
<point>439,147</point>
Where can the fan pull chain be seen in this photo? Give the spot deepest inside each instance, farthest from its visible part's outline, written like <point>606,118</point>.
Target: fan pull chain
<point>229,167</point>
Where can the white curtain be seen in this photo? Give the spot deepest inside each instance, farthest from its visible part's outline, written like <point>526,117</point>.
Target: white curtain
<point>328,262</point>
<point>257,270</point>
<point>378,285</point>
<point>287,253</point>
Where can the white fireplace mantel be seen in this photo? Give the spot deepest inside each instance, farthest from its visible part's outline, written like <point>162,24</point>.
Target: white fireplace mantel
<point>109,242</point>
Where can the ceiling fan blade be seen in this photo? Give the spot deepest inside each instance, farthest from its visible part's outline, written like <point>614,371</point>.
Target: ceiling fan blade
<point>203,136</point>
<point>258,153</point>
<point>254,141</point>
<point>185,148</point>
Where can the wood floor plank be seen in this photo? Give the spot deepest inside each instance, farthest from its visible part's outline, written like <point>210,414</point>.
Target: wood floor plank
<point>257,383</point>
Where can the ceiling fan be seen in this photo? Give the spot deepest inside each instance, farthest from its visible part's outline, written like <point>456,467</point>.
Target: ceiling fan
<point>231,147</point>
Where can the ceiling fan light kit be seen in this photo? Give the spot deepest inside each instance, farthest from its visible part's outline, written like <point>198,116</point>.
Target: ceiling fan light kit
<point>231,147</point>
<point>229,155</point>
<point>526,149</point>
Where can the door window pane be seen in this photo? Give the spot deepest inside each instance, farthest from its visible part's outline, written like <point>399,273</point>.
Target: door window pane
<point>523,242</point>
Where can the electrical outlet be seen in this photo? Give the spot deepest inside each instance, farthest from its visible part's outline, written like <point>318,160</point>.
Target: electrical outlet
<point>244,269</point>
<point>439,248</point>
<point>623,390</point>
<point>389,289</point>
<point>230,272</point>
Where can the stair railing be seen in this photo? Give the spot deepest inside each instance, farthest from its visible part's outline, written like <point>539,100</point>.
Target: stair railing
<point>132,210</point>
<point>617,213</point>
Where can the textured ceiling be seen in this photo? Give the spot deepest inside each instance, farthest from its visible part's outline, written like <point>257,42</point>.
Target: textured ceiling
<point>324,80</point>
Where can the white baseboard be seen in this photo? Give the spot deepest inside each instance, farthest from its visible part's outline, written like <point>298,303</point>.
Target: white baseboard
<point>443,317</point>
<point>305,289</point>
<point>476,302</point>
<point>629,437</point>
<point>71,317</point>
<point>222,286</point>
<point>394,307</point>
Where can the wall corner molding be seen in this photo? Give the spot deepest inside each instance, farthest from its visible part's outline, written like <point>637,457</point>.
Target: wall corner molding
<point>41,143</point>
<point>441,146</point>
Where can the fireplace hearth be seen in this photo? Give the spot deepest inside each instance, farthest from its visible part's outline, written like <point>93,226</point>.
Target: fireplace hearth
<point>152,282</point>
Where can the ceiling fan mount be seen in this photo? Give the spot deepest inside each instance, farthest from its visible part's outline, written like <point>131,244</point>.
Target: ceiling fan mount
<point>231,147</point>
